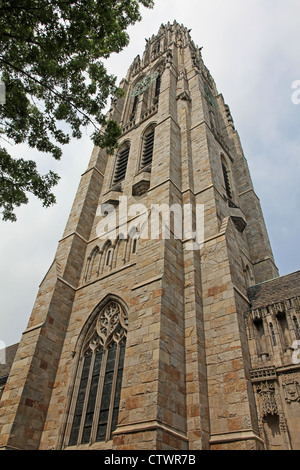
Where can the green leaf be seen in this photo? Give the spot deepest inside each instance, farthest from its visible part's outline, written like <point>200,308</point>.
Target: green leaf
<point>51,63</point>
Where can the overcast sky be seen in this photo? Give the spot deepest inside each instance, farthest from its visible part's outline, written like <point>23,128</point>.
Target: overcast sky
<point>252,49</point>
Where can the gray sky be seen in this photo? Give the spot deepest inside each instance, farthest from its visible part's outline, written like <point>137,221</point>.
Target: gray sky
<point>252,49</point>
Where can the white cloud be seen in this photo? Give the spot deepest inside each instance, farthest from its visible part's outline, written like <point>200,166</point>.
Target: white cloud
<point>251,49</point>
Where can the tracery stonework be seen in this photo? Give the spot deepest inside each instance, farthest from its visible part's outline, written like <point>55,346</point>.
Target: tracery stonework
<point>267,400</point>
<point>112,324</point>
<point>93,413</point>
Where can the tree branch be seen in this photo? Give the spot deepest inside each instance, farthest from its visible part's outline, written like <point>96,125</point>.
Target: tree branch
<point>56,93</point>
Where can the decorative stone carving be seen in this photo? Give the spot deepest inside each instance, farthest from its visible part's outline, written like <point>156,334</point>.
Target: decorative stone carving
<point>279,309</point>
<point>266,397</point>
<point>256,315</point>
<point>136,66</point>
<point>169,60</point>
<point>268,373</point>
<point>111,324</point>
<point>184,95</point>
<point>291,387</point>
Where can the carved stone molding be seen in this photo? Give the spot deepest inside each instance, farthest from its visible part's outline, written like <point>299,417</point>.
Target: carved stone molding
<point>291,387</point>
<point>266,398</point>
<point>141,183</point>
<point>265,374</point>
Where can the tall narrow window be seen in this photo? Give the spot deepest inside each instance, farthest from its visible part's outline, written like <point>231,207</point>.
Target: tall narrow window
<point>108,258</point>
<point>97,397</point>
<point>285,337</point>
<point>156,48</point>
<point>273,334</point>
<point>297,327</point>
<point>148,148</point>
<point>121,166</point>
<point>134,106</point>
<point>226,180</point>
<point>91,263</point>
<point>157,88</point>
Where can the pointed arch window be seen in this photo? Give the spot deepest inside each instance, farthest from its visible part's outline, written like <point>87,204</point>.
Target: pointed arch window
<point>91,262</point>
<point>273,334</point>
<point>226,179</point>
<point>297,327</point>
<point>108,258</point>
<point>134,107</point>
<point>121,165</point>
<point>157,88</point>
<point>95,404</point>
<point>148,146</point>
<point>156,48</point>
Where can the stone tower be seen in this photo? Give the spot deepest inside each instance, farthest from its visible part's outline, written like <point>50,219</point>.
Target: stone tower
<point>137,340</point>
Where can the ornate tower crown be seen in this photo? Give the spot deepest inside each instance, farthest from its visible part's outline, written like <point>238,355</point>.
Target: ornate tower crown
<point>162,43</point>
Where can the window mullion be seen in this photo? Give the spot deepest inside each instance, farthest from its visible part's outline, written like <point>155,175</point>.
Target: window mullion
<point>86,398</point>
<point>74,400</point>
<point>112,396</point>
<point>99,397</point>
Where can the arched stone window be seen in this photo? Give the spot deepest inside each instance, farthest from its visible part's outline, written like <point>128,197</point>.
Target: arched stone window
<point>106,252</point>
<point>148,146</point>
<point>284,329</point>
<point>226,178</point>
<point>156,49</point>
<point>134,107</point>
<point>273,334</point>
<point>96,396</point>
<point>91,263</point>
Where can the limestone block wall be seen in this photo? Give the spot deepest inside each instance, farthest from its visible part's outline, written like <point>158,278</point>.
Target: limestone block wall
<point>186,380</point>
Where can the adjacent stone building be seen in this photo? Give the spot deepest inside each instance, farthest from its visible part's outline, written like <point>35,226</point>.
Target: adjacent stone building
<point>161,332</point>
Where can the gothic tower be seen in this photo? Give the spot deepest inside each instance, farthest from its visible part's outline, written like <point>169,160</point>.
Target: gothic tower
<point>137,340</point>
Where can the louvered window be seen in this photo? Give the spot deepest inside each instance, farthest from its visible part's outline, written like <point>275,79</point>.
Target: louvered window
<point>297,327</point>
<point>148,148</point>
<point>121,166</point>
<point>226,181</point>
<point>157,89</point>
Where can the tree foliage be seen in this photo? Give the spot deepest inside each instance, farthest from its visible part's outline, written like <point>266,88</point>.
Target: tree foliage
<point>51,61</point>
